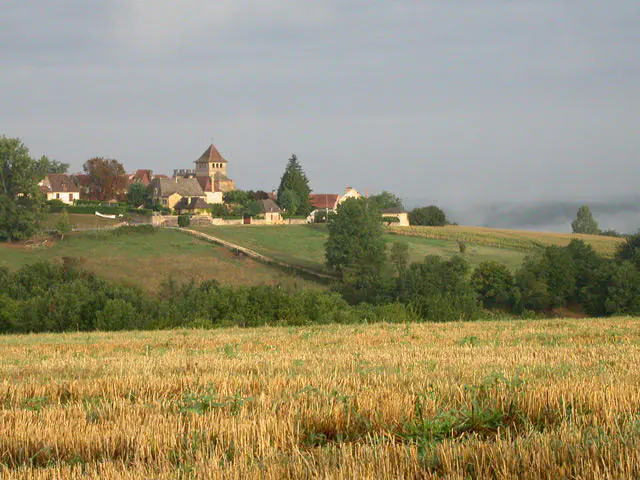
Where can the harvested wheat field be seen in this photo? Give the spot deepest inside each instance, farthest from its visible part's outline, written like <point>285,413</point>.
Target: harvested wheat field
<point>502,399</point>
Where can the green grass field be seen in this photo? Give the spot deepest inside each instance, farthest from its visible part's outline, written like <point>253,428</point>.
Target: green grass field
<point>80,221</point>
<point>303,245</point>
<point>148,260</point>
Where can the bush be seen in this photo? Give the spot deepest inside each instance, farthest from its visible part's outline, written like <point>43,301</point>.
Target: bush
<point>184,220</point>
<point>55,206</point>
<point>438,290</point>
<point>428,216</point>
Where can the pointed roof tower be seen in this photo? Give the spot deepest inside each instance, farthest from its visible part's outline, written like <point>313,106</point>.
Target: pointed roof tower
<point>211,154</point>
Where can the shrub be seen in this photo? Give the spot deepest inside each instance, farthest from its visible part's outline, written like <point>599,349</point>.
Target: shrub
<point>184,220</point>
<point>438,290</point>
<point>428,216</point>
<point>55,206</point>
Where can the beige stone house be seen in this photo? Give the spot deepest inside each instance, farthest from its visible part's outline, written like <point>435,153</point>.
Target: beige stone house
<point>180,191</point>
<point>399,213</point>
<point>60,186</point>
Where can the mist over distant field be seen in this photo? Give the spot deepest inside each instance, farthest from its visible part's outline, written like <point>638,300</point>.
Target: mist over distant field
<point>621,214</point>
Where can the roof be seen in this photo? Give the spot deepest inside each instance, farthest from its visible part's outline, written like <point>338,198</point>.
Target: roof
<point>193,204</point>
<point>211,154</point>
<point>324,200</point>
<point>393,211</point>
<point>221,177</point>
<point>205,183</point>
<point>269,206</point>
<point>187,187</point>
<point>61,182</point>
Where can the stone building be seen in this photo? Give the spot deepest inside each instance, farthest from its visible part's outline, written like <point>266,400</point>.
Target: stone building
<point>170,191</point>
<point>211,171</point>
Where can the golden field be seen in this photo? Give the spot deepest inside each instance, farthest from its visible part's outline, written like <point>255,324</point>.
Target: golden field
<point>500,399</point>
<point>511,239</point>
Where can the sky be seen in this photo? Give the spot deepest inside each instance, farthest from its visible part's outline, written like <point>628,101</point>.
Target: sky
<point>456,102</point>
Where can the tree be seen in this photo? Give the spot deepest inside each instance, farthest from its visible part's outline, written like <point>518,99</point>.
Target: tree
<point>629,250</point>
<point>399,256</point>
<point>53,166</point>
<point>63,225</point>
<point>428,216</point>
<point>386,200</point>
<point>138,195</point>
<point>295,179</point>
<point>356,237</point>
<point>107,177</point>
<point>20,200</point>
<point>584,222</point>
<point>494,284</point>
<point>289,201</point>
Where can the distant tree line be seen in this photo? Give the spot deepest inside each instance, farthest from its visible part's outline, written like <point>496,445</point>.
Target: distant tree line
<point>574,276</point>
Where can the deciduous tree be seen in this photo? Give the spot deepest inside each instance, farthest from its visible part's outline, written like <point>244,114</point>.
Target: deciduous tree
<point>107,177</point>
<point>20,200</point>
<point>584,222</point>
<point>356,237</point>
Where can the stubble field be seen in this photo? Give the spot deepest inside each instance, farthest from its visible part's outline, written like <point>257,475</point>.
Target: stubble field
<point>518,399</point>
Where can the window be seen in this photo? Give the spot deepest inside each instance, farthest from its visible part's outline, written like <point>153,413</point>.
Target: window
<point>57,196</point>
<point>71,197</point>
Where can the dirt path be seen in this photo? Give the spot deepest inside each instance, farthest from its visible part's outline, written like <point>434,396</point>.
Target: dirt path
<point>255,255</point>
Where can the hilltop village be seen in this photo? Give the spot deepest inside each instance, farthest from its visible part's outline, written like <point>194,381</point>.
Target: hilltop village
<point>206,193</point>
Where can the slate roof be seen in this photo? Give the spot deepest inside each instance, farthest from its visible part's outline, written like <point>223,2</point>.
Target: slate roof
<point>324,200</point>
<point>193,204</point>
<point>269,206</point>
<point>61,182</point>
<point>393,210</point>
<point>187,187</point>
<point>211,154</point>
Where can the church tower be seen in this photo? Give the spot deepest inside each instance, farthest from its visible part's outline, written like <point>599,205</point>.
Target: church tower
<point>213,166</point>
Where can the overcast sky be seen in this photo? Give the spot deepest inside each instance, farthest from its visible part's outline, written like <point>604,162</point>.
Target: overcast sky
<point>456,101</point>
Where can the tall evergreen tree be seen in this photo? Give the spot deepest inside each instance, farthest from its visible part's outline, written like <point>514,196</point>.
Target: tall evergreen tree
<point>295,180</point>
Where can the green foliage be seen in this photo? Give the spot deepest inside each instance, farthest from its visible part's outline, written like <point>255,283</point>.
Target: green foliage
<point>385,200</point>
<point>237,197</point>
<point>584,222</point>
<point>20,200</point>
<point>629,250</point>
<point>431,216</point>
<point>53,166</point>
<point>295,180</point>
<point>55,206</point>
<point>184,220</point>
<point>399,256</point>
<point>494,284</point>
<point>138,195</point>
<point>219,211</point>
<point>63,225</point>
<point>438,290</point>
<point>355,237</point>
<point>289,201</point>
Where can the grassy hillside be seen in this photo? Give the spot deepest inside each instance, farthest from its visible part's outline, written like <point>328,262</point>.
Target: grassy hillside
<point>80,221</point>
<point>147,260</point>
<point>520,240</point>
<point>543,399</point>
<point>304,245</point>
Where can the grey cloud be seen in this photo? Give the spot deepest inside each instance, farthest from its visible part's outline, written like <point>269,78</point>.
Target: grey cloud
<point>461,102</point>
